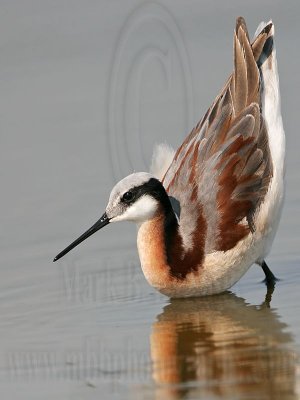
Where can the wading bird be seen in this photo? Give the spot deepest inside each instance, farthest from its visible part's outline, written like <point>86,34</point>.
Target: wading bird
<point>210,210</point>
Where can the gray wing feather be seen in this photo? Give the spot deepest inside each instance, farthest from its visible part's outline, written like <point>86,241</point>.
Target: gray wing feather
<point>223,168</point>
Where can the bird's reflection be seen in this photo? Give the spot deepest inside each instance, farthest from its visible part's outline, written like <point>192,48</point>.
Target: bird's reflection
<point>220,347</point>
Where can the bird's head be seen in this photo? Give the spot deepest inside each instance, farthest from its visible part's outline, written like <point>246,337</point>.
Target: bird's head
<point>135,198</point>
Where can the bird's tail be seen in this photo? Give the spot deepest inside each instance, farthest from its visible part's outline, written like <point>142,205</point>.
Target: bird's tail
<point>264,51</point>
<point>248,60</point>
<point>263,43</point>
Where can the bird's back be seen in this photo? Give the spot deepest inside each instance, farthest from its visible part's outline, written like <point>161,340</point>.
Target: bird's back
<point>228,174</point>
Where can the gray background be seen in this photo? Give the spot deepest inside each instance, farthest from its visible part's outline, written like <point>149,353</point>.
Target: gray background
<point>87,88</point>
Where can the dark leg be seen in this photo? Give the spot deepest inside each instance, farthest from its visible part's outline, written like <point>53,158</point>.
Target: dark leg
<point>270,279</point>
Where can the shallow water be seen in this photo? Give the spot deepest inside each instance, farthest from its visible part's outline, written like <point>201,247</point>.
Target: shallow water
<point>86,91</point>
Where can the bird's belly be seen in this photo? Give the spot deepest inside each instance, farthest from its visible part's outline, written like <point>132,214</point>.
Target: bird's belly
<point>219,271</point>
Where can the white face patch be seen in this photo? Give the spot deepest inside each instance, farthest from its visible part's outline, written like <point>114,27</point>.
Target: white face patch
<point>141,210</point>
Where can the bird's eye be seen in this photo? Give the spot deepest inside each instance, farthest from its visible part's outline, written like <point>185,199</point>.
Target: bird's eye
<point>127,197</point>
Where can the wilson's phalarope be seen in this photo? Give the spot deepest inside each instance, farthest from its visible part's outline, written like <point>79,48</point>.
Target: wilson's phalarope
<point>210,210</point>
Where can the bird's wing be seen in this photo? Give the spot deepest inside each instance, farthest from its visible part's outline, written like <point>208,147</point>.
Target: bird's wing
<point>223,168</point>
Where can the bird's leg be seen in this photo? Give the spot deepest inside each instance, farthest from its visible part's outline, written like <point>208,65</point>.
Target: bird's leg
<point>270,278</point>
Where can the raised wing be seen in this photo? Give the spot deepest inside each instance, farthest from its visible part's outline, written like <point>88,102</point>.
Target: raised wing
<point>221,172</point>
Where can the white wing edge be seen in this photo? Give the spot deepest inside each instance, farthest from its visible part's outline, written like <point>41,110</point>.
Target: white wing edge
<point>260,27</point>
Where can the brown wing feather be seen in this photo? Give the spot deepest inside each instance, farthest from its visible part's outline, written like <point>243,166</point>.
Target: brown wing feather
<point>223,168</point>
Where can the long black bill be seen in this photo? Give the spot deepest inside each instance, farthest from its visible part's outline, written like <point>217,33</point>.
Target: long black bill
<point>104,220</point>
